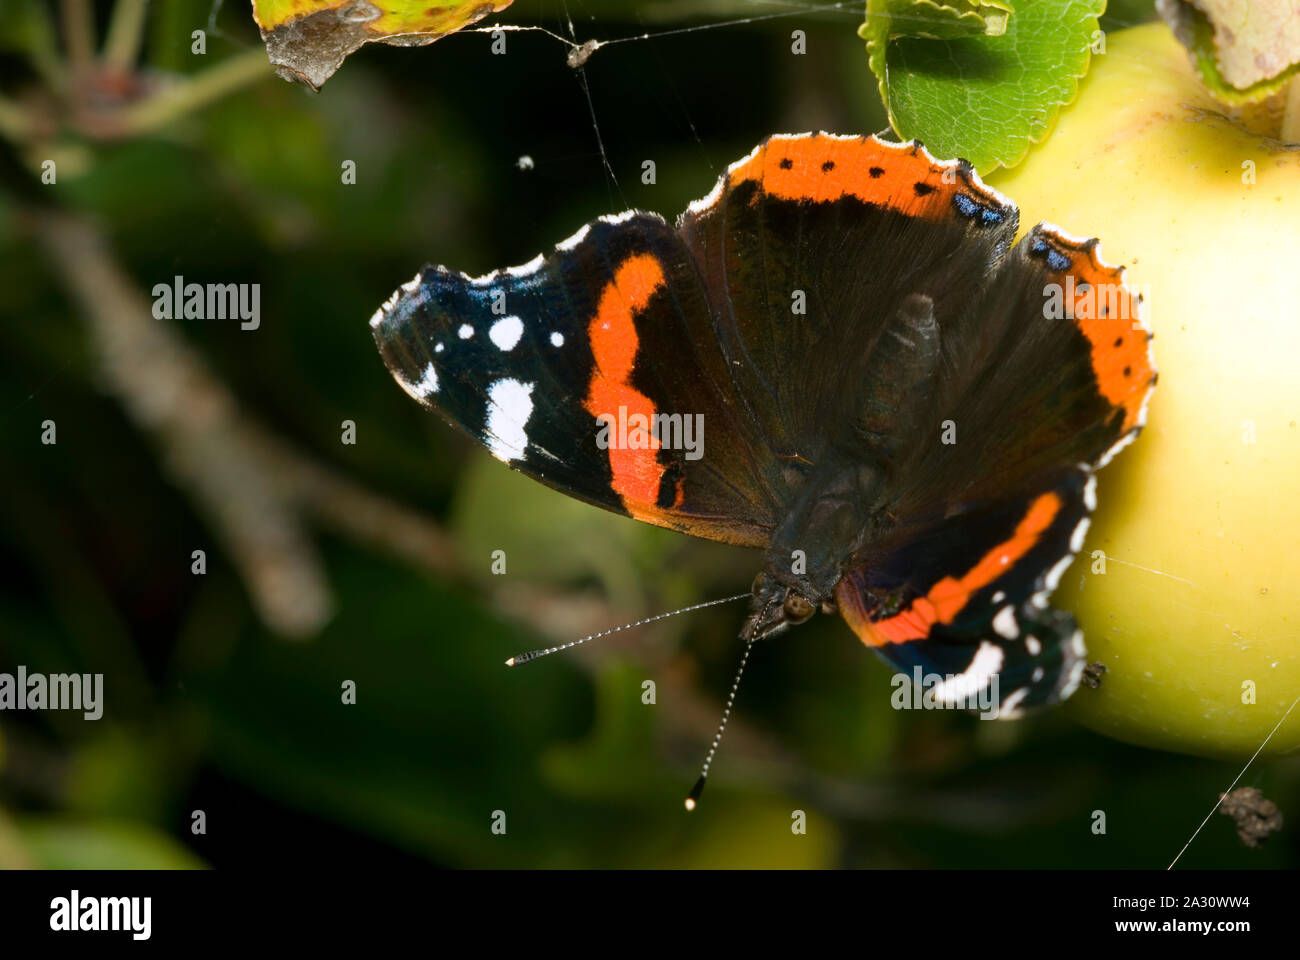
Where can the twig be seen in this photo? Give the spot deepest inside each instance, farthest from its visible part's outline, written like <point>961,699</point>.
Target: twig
<point>79,33</point>
<point>15,124</point>
<point>125,33</point>
<point>203,88</point>
<point>205,443</point>
<point>356,512</point>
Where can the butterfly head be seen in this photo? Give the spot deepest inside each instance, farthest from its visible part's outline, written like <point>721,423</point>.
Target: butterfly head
<point>775,606</point>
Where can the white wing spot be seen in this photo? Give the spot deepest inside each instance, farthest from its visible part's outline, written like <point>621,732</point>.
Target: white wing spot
<point>505,333</point>
<point>438,348</point>
<point>557,339</point>
<point>527,269</point>
<point>1010,707</point>
<point>1090,493</point>
<point>378,316</point>
<point>572,243</point>
<point>429,384</point>
<point>1053,577</point>
<point>1033,646</point>
<point>465,331</point>
<point>510,404</point>
<point>1080,532</point>
<point>614,219</point>
<point>1005,623</point>
<point>426,385</point>
<point>986,662</point>
<point>1072,680</point>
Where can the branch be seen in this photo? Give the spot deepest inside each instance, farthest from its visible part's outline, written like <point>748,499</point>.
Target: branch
<point>192,94</point>
<point>125,32</point>
<point>205,443</point>
<point>358,513</point>
<point>79,32</point>
<point>15,123</point>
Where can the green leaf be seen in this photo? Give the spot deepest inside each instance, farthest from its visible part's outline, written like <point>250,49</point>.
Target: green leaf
<point>968,80</point>
<point>933,20</point>
<point>598,545</point>
<point>308,40</point>
<point>1243,60</point>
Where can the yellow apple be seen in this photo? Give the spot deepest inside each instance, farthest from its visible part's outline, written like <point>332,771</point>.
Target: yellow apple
<point>1188,587</point>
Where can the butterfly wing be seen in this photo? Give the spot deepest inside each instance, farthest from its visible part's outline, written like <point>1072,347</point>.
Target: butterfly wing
<point>834,298</point>
<point>698,323</point>
<point>966,596</point>
<point>810,246</point>
<point>560,366</point>
<point>1052,367</point>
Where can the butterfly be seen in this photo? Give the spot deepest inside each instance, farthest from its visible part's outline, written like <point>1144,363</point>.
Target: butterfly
<point>841,357</point>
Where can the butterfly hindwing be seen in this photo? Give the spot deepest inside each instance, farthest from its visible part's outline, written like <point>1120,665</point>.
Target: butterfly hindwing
<point>967,595</point>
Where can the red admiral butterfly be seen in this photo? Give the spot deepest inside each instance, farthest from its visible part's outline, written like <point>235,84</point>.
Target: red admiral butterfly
<point>904,410</point>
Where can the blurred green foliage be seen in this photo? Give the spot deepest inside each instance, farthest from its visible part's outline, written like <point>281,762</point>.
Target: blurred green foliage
<point>209,710</point>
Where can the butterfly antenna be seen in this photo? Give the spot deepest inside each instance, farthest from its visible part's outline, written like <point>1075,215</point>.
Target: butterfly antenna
<point>547,651</point>
<point>693,797</point>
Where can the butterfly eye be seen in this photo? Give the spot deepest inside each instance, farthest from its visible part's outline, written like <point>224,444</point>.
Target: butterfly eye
<point>797,608</point>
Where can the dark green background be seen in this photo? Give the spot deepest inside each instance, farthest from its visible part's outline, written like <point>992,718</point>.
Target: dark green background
<point>207,709</point>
